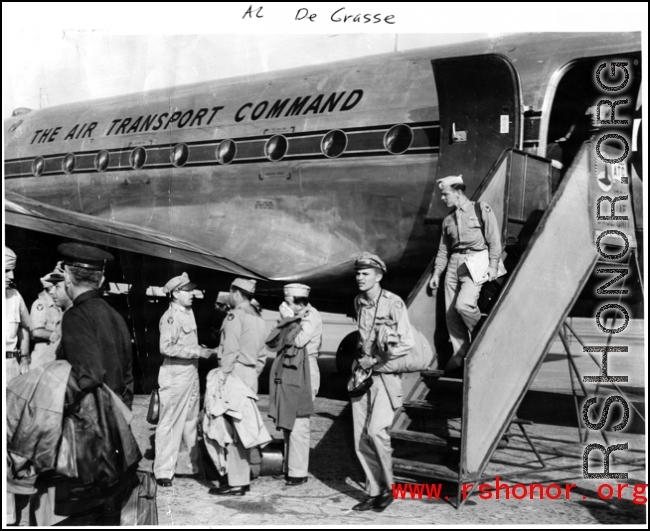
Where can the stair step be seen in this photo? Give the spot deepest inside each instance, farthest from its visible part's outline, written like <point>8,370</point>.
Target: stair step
<point>419,437</point>
<point>427,470</point>
<point>440,408</point>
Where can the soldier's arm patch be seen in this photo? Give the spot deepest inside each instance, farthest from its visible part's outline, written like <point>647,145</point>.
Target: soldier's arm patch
<point>39,307</point>
<point>231,316</point>
<point>170,320</point>
<point>399,305</point>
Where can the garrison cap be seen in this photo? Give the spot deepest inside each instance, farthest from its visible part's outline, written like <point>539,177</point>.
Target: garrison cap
<point>244,284</point>
<point>85,256</point>
<point>368,260</point>
<point>55,276</point>
<point>10,259</point>
<point>296,290</point>
<point>179,283</point>
<point>448,181</point>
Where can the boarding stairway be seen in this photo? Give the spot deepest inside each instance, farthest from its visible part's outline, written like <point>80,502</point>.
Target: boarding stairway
<point>450,425</point>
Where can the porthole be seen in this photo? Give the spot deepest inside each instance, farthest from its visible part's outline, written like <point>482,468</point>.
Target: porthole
<point>276,148</point>
<point>226,151</point>
<point>334,144</point>
<point>101,161</point>
<point>398,139</point>
<point>137,158</point>
<point>68,163</point>
<point>179,155</point>
<point>38,166</point>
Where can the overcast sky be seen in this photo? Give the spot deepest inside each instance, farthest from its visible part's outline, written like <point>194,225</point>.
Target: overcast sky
<point>59,52</point>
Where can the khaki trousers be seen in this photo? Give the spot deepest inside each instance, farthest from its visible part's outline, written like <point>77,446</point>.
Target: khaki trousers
<point>372,416</point>
<point>179,411</point>
<point>296,441</point>
<point>239,470</point>
<point>461,297</point>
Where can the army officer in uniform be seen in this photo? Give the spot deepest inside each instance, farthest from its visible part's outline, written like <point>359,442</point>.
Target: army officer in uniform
<point>179,385</point>
<point>462,236</point>
<point>241,352</point>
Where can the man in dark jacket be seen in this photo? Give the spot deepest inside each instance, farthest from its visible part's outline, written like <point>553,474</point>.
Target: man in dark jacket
<point>95,339</point>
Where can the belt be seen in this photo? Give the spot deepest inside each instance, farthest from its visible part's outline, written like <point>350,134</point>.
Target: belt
<point>465,251</point>
<point>9,354</point>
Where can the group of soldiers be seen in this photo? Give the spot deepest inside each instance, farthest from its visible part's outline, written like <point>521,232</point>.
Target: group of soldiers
<point>89,321</point>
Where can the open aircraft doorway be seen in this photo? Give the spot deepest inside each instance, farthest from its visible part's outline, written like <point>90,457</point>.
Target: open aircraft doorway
<point>480,116</point>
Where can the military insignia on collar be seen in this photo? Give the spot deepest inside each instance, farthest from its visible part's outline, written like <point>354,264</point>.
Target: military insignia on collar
<point>231,316</point>
<point>170,320</point>
<point>39,307</point>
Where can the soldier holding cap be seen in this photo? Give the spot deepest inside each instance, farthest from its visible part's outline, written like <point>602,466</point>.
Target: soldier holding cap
<point>94,337</point>
<point>241,352</point>
<point>45,318</point>
<point>310,336</point>
<point>17,359</point>
<point>179,385</point>
<point>462,235</point>
<point>373,411</point>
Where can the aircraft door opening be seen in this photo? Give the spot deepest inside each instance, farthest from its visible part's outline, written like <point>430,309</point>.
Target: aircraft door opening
<point>480,116</point>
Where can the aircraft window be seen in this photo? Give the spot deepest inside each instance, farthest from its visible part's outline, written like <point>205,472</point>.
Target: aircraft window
<point>101,161</point>
<point>226,151</point>
<point>334,143</point>
<point>398,139</point>
<point>179,155</point>
<point>68,163</point>
<point>38,166</point>
<point>276,147</point>
<point>137,158</point>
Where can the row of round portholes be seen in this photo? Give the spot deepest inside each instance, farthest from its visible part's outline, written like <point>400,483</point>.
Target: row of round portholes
<point>396,141</point>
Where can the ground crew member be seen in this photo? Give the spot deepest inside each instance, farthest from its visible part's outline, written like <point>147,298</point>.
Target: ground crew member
<point>296,441</point>
<point>373,411</point>
<point>16,342</point>
<point>179,385</point>
<point>94,337</point>
<point>462,236</point>
<point>45,318</point>
<point>241,352</point>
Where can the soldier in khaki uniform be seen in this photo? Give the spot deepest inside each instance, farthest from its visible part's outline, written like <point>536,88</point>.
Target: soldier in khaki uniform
<point>373,411</point>
<point>16,342</point>
<point>296,441</point>
<point>462,236</point>
<point>179,385</point>
<point>241,352</point>
<point>45,319</point>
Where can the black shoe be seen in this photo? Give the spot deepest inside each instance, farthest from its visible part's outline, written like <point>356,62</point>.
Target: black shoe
<point>280,476</point>
<point>365,505</point>
<point>189,476</point>
<point>384,499</point>
<point>227,490</point>
<point>164,482</point>
<point>291,481</point>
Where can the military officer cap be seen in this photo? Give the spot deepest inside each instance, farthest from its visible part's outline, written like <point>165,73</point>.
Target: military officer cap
<point>10,259</point>
<point>368,260</point>
<point>179,283</point>
<point>244,284</point>
<point>45,282</point>
<point>448,181</point>
<point>84,256</point>
<point>296,290</point>
<point>54,276</point>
